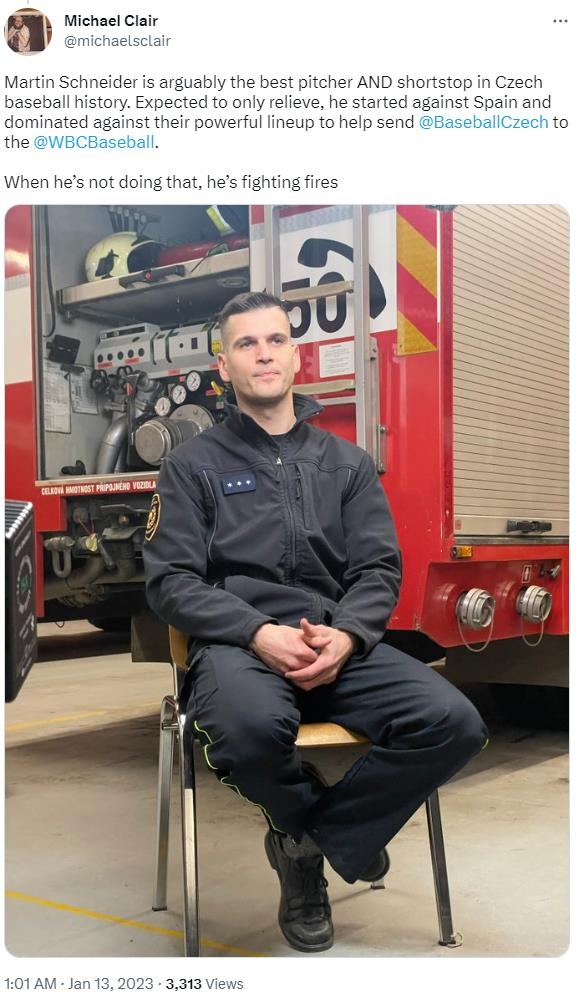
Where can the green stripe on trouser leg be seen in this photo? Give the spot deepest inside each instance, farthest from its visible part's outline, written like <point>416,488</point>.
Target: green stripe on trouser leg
<point>222,778</point>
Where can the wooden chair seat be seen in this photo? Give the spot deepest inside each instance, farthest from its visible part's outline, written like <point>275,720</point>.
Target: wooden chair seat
<point>327,734</point>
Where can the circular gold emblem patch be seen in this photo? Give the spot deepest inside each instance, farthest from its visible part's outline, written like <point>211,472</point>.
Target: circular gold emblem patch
<point>153,518</point>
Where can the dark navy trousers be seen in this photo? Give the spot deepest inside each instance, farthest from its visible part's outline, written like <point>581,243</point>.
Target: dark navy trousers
<point>422,731</point>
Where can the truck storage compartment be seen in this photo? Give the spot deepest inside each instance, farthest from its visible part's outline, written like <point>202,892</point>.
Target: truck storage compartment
<point>119,349</point>
<point>510,370</point>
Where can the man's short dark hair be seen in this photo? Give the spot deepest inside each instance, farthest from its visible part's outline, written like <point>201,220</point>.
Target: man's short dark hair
<point>245,302</point>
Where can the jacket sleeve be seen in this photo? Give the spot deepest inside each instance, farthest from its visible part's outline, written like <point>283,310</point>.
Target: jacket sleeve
<point>374,570</point>
<point>175,564</point>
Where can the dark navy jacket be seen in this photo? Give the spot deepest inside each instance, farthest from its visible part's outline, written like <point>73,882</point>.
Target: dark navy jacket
<point>249,529</point>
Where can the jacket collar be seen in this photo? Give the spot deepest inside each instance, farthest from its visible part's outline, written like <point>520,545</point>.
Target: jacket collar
<point>304,408</point>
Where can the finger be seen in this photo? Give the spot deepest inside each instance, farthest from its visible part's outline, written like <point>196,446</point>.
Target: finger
<point>309,628</point>
<point>308,685</point>
<point>318,644</point>
<point>296,663</point>
<point>309,672</point>
<point>320,632</point>
<point>315,636</point>
<point>304,685</point>
<point>300,659</point>
<point>299,676</point>
<point>306,654</point>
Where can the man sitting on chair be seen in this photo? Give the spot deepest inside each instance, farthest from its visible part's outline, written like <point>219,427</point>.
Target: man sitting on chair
<point>270,543</point>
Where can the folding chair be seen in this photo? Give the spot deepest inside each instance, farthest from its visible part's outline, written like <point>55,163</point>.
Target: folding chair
<point>322,734</point>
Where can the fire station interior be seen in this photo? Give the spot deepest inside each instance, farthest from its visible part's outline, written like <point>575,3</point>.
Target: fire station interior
<point>125,373</point>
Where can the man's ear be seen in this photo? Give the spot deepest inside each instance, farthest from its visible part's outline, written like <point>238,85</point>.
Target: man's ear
<point>297,362</point>
<point>223,370</point>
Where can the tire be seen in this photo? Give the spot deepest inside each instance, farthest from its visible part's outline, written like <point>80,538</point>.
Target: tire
<point>533,705</point>
<point>111,624</point>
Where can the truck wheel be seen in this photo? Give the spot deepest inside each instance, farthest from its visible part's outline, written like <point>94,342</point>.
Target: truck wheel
<point>111,624</point>
<point>533,705</point>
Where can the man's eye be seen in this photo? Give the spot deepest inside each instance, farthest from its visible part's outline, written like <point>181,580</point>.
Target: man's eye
<point>279,339</point>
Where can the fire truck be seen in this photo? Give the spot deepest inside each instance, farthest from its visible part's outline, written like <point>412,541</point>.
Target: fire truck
<point>434,336</point>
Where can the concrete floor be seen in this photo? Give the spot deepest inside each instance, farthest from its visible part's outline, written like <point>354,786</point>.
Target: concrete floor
<point>81,770</point>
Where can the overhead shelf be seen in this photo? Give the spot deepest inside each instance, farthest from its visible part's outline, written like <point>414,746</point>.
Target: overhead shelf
<point>178,294</point>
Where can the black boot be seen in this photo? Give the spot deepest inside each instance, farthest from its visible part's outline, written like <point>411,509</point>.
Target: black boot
<point>304,914</point>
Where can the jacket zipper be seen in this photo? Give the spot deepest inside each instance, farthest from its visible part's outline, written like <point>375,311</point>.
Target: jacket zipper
<point>281,468</point>
<point>299,493</point>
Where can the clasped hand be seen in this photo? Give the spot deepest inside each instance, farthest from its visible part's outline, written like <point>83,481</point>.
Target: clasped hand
<point>308,656</point>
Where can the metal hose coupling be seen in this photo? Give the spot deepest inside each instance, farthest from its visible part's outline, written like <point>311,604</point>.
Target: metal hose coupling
<point>534,604</point>
<point>475,609</point>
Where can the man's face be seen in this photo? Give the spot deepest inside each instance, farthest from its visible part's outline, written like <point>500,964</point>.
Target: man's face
<point>259,357</point>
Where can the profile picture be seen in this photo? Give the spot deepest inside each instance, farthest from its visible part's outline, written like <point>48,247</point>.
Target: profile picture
<point>27,31</point>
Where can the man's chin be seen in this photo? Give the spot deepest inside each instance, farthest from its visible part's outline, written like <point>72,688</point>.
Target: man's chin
<point>266,397</point>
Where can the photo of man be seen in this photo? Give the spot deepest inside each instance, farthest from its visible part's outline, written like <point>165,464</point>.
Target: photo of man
<point>19,35</point>
<point>27,31</point>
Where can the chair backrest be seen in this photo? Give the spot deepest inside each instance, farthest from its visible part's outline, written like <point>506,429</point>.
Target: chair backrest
<point>179,649</point>
<point>178,643</point>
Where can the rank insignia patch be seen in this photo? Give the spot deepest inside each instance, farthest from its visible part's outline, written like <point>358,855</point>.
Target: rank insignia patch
<point>242,482</point>
<point>153,518</point>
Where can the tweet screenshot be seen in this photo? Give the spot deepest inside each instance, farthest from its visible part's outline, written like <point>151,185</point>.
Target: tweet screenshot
<point>290,298</point>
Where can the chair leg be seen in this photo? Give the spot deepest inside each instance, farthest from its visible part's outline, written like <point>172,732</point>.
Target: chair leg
<point>447,937</point>
<point>168,728</point>
<point>189,822</point>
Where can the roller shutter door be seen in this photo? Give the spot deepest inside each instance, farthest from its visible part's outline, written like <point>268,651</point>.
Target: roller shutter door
<point>510,367</point>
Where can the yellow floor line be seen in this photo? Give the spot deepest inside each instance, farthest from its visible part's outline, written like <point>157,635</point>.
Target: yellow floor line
<point>33,723</point>
<point>101,916</point>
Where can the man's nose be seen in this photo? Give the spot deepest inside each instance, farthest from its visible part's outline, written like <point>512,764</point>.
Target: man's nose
<point>264,351</point>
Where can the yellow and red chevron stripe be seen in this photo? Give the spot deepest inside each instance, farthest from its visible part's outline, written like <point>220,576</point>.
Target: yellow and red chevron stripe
<point>416,246</point>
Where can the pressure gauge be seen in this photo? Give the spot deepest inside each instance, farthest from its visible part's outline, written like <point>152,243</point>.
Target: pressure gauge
<point>162,406</point>
<point>179,394</point>
<point>193,380</point>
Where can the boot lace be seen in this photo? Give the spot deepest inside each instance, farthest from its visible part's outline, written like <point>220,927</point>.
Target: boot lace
<point>311,898</point>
